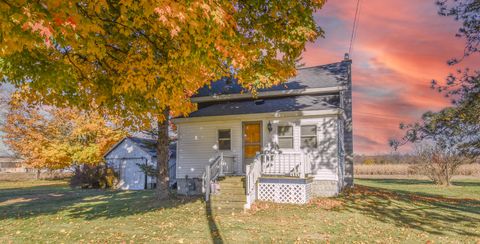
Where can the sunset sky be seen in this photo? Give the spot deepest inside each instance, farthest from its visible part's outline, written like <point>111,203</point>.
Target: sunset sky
<point>400,47</point>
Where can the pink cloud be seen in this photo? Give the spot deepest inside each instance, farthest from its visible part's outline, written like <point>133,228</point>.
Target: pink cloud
<point>400,47</point>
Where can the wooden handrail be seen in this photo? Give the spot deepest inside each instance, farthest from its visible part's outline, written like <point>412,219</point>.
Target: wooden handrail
<point>253,172</point>
<point>212,172</point>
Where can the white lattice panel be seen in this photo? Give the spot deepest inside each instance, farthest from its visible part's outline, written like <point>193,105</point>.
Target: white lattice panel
<point>284,193</point>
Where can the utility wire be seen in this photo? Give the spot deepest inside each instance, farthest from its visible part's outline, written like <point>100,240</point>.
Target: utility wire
<point>356,21</point>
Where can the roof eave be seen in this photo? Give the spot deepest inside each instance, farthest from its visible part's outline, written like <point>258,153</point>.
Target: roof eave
<point>269,94</point>
<point>269,115</point>
<point>114,146</point>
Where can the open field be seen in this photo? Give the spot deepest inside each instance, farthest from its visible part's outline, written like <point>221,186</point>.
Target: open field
<point>386,211</point>
<point>405,169</point>
<point>28,176</point>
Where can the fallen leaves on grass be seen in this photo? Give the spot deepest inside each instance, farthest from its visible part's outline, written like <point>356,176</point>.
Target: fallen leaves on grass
<point>257,206</point>
<point>325,203</point>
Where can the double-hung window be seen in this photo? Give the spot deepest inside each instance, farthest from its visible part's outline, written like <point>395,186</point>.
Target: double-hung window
<point>285,136</point>
<point>308,136</point>
<point>224,139</point>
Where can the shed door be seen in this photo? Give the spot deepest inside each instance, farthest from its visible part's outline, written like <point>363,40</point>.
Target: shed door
<point>252,141</point>
<point>132,176</point>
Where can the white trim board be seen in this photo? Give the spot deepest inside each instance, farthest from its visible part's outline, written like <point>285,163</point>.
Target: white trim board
<point>271,115</point>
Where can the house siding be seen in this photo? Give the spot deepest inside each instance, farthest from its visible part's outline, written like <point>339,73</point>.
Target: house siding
<point>197,143</point>
<point>197,146</point>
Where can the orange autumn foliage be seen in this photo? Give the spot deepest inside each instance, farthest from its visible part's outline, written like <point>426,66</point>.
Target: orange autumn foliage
<point>55,138</point>
<point>136,59</point>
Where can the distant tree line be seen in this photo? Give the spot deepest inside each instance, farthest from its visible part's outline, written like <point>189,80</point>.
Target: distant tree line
<point>383,159</point>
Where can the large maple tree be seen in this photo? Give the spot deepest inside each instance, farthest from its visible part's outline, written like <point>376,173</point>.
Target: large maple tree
<point>142,60</point>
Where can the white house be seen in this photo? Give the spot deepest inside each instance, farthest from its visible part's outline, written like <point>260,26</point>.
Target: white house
<point>126,156</point>
<point>291,142</point>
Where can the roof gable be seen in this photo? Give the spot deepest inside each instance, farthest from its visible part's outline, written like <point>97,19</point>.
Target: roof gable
<point>322,76</point>
<point>146,145</point>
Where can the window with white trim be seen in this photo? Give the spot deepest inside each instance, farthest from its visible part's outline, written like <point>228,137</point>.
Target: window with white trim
<point>308,137</point>
<point>285,136</point>
<point>224,139</point>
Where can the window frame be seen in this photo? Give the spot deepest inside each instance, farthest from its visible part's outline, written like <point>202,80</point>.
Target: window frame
<point>286,137</point>
<point>315,136</point>
<point>224,139</point>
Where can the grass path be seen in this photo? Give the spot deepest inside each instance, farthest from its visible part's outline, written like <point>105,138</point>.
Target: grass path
<point>386,211</point>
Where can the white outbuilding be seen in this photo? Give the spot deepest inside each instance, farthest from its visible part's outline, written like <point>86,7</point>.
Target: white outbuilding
<point>130,152</point>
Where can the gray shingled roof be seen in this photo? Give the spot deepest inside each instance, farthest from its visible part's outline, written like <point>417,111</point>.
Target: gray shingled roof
<point>149,146</point>
<point>283,104</point>
<point>328,75</point>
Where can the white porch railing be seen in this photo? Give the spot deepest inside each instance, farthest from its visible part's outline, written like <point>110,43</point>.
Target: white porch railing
<point>221,165</point>
<point>294,164</point>
<point>253,172</point>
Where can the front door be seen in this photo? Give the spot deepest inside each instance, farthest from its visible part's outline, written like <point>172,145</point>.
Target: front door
<point>252,141</point>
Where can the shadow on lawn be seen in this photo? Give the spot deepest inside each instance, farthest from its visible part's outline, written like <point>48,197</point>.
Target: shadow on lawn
<point>426,212</point>
<point>212,225</point>
<point>18,203</point>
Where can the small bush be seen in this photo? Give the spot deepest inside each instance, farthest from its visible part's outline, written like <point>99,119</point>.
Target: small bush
<point>86,176</point>
<point>440,163</point>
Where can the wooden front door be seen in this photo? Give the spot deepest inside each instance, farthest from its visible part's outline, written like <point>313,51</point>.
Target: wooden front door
<point>252,141</point>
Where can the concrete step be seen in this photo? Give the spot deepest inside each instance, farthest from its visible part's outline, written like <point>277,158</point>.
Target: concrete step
<point>230,192</point>
<point>227,202</point>
<point>231,197</point>
<point>229,211</point>
<point>226,197</point>
<point>226,208</point>
<point>233,184</point>
<point>238,204</point>
<point>232,189</point>
<point>229,179</point>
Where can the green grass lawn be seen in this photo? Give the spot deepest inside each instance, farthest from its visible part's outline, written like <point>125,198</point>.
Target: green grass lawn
<point>377,210</point>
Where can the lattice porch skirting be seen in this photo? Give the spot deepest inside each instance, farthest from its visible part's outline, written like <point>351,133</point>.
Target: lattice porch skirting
<point>296,193</point>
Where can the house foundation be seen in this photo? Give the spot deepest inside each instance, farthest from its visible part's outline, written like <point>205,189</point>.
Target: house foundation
<point>324,188</point>
<point>189,186</point>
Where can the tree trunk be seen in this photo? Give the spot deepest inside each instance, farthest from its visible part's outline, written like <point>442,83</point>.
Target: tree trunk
<point>163,157</point>
<point>37,175</point>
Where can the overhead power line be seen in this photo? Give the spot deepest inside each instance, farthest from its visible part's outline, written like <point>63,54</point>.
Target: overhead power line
<point>356,22</point>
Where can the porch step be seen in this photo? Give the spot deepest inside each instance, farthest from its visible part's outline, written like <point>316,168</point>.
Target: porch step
<point>228,197</point>
<point>239,190</point>
<point>231,197</point>
<point>232,185</point>
<point>232,179</point>
<point>228,204</point>
<point>227,211</point>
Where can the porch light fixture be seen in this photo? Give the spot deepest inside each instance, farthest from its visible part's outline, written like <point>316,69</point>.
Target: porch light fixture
<point>269,126</point>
